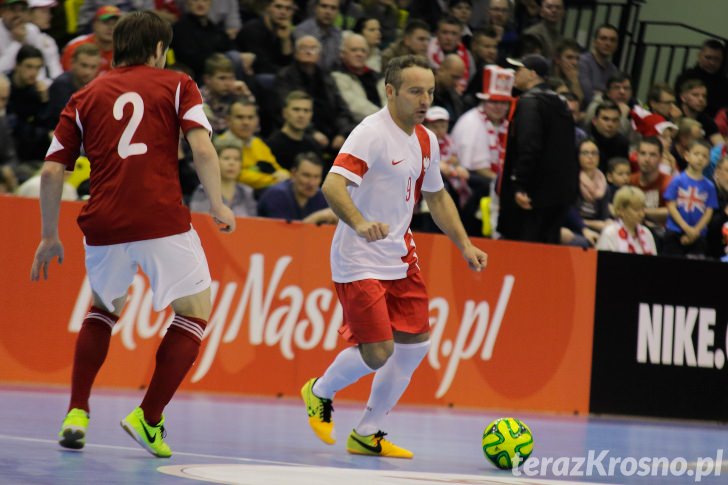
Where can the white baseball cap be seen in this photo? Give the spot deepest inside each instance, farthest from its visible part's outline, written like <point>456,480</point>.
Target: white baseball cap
<point>42,3</point>
<point>437,113</point>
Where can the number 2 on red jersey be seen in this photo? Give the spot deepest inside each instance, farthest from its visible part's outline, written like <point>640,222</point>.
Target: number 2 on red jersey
<point>125,147</point>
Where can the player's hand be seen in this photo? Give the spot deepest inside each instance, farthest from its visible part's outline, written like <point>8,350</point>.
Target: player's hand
<point>224,217</point>
<point>372,231</point>
<point>47,250</point>
<point>523,201</point>
<point>476,258</point>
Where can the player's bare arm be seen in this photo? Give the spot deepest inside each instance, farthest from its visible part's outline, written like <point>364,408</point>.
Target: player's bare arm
<point>208,170</point>
<point>445,215</point>
<point>334,189</point>
<point>51,189</point>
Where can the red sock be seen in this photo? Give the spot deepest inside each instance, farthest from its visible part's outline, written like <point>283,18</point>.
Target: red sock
<point>175,356</point>
<point>92,345</point>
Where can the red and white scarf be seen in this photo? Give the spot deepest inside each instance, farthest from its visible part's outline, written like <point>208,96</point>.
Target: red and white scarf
<point>498,138</point>
<point>627,243</point>
<point>447,150</point>
<point>436,55</point>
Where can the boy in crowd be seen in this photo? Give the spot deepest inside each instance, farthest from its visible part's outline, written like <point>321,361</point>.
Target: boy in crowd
<point>618,173</point>
<point>691,200</point>
<point>220,90</point>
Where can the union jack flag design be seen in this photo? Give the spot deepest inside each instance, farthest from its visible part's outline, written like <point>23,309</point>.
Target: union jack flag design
<point>691,199</point>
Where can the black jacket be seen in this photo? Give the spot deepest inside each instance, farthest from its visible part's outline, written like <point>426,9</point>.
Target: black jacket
<point>331,116</point>
<point>541,157</point>
<point>195,40</point>
<point>255,37</point>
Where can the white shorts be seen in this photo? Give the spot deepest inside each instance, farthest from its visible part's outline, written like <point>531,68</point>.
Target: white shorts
<point>175,265</point>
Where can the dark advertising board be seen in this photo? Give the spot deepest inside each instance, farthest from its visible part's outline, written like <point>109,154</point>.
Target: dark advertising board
<point>660,337</point>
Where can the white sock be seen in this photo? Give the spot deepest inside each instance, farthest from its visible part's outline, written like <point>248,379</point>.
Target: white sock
<point>347,368</point>
<point>389,384</point>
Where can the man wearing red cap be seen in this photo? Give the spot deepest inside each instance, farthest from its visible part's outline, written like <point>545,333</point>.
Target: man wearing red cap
<point>103,31</point>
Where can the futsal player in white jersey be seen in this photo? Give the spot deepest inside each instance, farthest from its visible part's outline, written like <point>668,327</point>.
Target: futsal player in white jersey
<point>386,164</point>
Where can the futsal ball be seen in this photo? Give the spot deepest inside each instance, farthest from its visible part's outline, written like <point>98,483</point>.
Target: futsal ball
<point>506,438</point>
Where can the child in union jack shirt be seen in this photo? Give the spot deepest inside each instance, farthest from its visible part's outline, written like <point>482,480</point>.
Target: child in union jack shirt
<point>691,200</point>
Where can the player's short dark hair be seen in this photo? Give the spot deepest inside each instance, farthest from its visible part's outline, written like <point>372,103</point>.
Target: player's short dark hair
<point>393,75</point>
<point>310,157</point>
<point>28,52</point>
<point>136,36</point>
<point>652,140</point>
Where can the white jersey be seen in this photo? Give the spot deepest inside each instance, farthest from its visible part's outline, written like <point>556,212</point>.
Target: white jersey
<point>479,143</point>
<point>389,169</point>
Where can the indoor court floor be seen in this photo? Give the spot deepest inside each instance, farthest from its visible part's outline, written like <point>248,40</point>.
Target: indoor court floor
<point>243,440</point>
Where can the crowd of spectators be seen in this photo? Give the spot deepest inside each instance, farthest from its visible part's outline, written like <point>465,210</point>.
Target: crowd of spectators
<point>285,81</point>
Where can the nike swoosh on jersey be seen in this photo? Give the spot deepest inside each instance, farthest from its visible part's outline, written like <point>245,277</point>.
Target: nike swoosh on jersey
<point>398,162</point>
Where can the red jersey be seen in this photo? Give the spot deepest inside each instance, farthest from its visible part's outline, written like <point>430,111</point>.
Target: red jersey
<point>654,191</point>
<point>67,57</point>
<point>128,122</point>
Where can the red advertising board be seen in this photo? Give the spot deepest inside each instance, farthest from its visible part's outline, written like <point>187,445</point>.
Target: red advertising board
<point>516,336</point>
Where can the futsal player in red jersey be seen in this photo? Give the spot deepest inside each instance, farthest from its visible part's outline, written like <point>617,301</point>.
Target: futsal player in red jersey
<point>128,123</point>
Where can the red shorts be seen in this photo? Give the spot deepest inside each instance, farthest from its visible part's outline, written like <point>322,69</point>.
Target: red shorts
<point>372,308</point>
